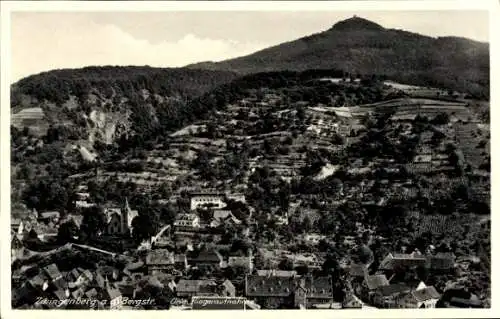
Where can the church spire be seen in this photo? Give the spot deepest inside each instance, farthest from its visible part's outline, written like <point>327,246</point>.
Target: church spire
<point>127,207</point>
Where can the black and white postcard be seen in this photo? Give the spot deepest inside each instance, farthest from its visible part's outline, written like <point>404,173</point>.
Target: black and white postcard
<point>333,157</point>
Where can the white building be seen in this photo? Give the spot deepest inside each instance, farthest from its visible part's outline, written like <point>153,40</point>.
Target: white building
<point>214,201</point>
<point>422,298</point>
<point>187,220</point>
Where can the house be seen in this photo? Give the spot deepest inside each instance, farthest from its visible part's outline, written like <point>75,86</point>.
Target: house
<point>100,280</point>
<point>160,260</point>
<point>49,216</point>
<point>236,197</point>
<point>276,273</point>
<point>221,217</point>
<point>83,278</point>
<point>208,200</point>
<point>271,292</point>
<point>16,246</point>
<point>390,296</point>
<point>313,291</point>
<point>243,262</point>
<point>91,294</point>
<point>313,239</point>
<point>39,282</point>
<point>370,285</point>
<point>77,219</point>
<point>115,297</point>
<point>180,261</point>
<point>72,276</point>
<point>133,267</point>
<point>16,225</point>
<point>304,260</point>
<point>119,220</point>
<point>421,298</point>
<point>351,301</point>
<point>394,261</point>
<point>187,221</point>
<point>78,293</point>
<point>227,289</point>
<point>53,272</point>
<point>189,288</point>
<point>204,258</point>
<point>441,261</point>
<point>62,294</point>
<point>358,271</point>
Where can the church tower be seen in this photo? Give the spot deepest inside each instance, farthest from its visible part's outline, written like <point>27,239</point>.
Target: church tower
<point>128,216</point>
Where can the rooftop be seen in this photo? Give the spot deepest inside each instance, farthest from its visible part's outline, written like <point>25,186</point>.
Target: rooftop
<point>52,271</point>
<point>393,289</point>
<point>160,257</point>
<point>376,281</point>
<point>269,286</point>
<point>196,286</point>
<point>276,273</point>
<point>426,294</point>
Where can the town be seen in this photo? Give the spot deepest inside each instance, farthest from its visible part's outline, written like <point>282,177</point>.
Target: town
<point>274,203</point>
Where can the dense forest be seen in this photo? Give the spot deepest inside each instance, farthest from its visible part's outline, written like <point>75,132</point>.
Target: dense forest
<point>359,45</point>
<point>57,85</point>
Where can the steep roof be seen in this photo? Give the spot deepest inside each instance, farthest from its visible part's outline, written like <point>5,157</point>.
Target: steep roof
<point>222,215</point>
<point>442,261</point>
<point>239,261</point>
<point>180,258</point>
<point>160,257</point>
<point>228,284</point>
<point>358,270</point>
<point>319,287</point>
<point>393,289</point>
<point>276,273</point>
<point>91,293</point>
<point>113,292</point>
<point>186,216</point>
<point>52,271</point>
<point>204,256</point>
<point>78,293</point>
<point>265,286</point>
<point>196,286</point>
<point>51,214</point>
<point>392,261</point>
<point>376,281</point>
<point>426,294</point>
<point>60,294</point>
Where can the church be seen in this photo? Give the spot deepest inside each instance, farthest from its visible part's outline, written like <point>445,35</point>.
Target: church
<point>119,220</point>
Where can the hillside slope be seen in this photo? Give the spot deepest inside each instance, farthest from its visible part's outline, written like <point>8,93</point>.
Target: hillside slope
<point>102,103</point>
<point>357,45</point>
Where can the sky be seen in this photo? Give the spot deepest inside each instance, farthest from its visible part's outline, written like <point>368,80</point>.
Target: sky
<point>42,41</point>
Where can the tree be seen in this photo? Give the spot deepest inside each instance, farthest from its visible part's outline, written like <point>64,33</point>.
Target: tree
<point>144,227</point>
<point>67,231</point>
<point>285,264</point>
<point>337,139</point>
<point>48,194</point>
<point>331,265</point>
<point>93,222</point>
<point>307,224</point>
<point>441,119</point>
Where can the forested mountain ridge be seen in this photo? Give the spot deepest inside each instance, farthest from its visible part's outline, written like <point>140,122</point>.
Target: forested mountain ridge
<point>357,45</point>
<point>102,103</point>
